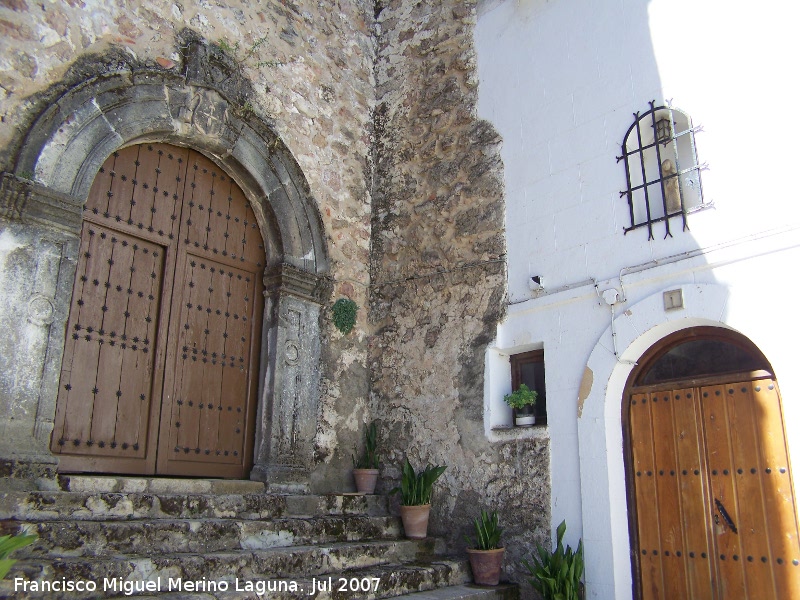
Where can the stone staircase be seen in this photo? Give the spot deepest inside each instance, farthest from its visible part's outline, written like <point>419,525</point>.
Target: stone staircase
<point>216,539</point>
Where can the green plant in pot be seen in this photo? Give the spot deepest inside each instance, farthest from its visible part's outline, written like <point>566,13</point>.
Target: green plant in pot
<point>415,498</point>
<point>486,554</point>
<point>8,545</point>
<point>365,467</point>
<point>522,401</point>
<point>557,575</point>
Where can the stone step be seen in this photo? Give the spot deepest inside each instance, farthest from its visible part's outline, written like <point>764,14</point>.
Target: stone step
<point>296,504</point>
<point>158,485</point>
<point>383,581</point>
<point>442,575</point>
<point>166,536</point>
<point>452,592</point>
<point>94,506</point>
<point>286,562</point>
<point>468,592</point>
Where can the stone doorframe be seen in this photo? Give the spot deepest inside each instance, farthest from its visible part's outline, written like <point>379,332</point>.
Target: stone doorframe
<point>204,108</point>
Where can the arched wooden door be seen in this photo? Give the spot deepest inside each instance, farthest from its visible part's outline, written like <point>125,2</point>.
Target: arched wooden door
<point>162,351</point>
<point>710,489</point>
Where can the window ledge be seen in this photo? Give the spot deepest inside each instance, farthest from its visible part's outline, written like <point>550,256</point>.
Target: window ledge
<point>502,433</point>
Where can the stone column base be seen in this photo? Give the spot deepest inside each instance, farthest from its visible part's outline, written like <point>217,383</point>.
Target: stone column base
<point>282,479</point>
<point>28,474</point>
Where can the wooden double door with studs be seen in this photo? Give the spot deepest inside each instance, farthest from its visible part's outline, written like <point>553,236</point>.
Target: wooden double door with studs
<point>710,489</point>
<point>161,358</point>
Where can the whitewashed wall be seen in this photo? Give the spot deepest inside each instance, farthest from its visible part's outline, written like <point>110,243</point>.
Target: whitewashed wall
<point>561,80</point>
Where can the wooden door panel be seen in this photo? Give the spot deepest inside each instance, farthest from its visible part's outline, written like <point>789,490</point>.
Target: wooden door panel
<point>750,520</point>
<point>208,418</point>
<point>776,484</point>
<point>641,435</point>
<point>694,497</point>
<point>213,396</point>
<point>105,394</point>
<point>729,557</point>
<point>169,274</point>
<point>670,490</point>
<point>669,517</point>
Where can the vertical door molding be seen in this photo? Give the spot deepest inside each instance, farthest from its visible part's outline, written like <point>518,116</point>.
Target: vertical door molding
<point>41,234</point>
<point>287,421</point>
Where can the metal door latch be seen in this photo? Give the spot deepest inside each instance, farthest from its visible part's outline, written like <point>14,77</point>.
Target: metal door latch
<point>725,516</point>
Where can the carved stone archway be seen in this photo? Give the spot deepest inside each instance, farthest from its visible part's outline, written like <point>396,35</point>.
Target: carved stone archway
<point>41,198</point>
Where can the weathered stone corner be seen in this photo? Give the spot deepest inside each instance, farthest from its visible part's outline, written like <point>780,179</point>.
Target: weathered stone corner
<point>29,202</point>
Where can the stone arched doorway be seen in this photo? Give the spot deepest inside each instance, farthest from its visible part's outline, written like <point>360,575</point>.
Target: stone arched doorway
<point>199,106</point>
<point>710,500</point>
<point>161,362</point>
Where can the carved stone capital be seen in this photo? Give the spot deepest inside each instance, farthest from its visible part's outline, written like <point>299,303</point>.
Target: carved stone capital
<point>288,279</point>
<point>30,202</point>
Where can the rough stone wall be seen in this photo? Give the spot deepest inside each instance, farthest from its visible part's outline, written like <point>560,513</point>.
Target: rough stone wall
<point>311,68</point>
<point>439,282</point>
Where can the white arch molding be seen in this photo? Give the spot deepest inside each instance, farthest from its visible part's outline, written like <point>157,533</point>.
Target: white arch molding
<point>53,171</point>
<point>603,484</point>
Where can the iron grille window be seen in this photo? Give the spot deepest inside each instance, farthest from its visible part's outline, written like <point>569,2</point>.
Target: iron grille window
<point>528,368</point>
<point>661,169</point>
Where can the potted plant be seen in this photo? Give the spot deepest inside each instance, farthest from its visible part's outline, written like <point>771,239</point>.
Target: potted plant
<point>486,555</point>
<point>8,545</point>
<point>415,498</point>
<point>557,575</point>
<point>522,401</point>
<point>365,468</point>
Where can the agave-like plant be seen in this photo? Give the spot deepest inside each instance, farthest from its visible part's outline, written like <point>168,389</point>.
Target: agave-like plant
<point>8,544</point>
<point>487,532</point>
<point>557,575</point>
<point>416,488</point>
<point>369,458</point>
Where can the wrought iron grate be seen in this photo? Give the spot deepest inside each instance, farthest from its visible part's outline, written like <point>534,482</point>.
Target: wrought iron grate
<point>661,169</point>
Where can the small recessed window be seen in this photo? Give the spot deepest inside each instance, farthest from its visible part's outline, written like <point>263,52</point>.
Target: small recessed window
<point>528,368</point>
<point>661,170</point>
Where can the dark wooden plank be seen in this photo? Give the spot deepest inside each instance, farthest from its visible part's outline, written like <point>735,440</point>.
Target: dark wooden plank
<point>694,498</point>
<point>147,190</point>
<point>140,332</point>
<point>751,518</point>
<point>775,477</point>
<point>647,506</point>
<point>215,345</point>
<point>251,250</point>
<point>109,368</point>
<point>191,391</point>
<point>121,168</point>
<point>236,226</point>
<point>720,462</point>
<point>217,222</point>
<point>200,179</point>
<point>89,316</point>
<point>165,218</point>
<point>669,501</point>
<point>73,340</point>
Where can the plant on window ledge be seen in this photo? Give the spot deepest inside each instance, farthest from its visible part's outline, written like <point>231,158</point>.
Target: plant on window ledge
<point>522,402</point>
<point>344,314</point>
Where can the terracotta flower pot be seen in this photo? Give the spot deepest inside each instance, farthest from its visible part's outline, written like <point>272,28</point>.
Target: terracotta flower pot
<point>366,480</point>
<point>486,565</point>
<point>415,520</point>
